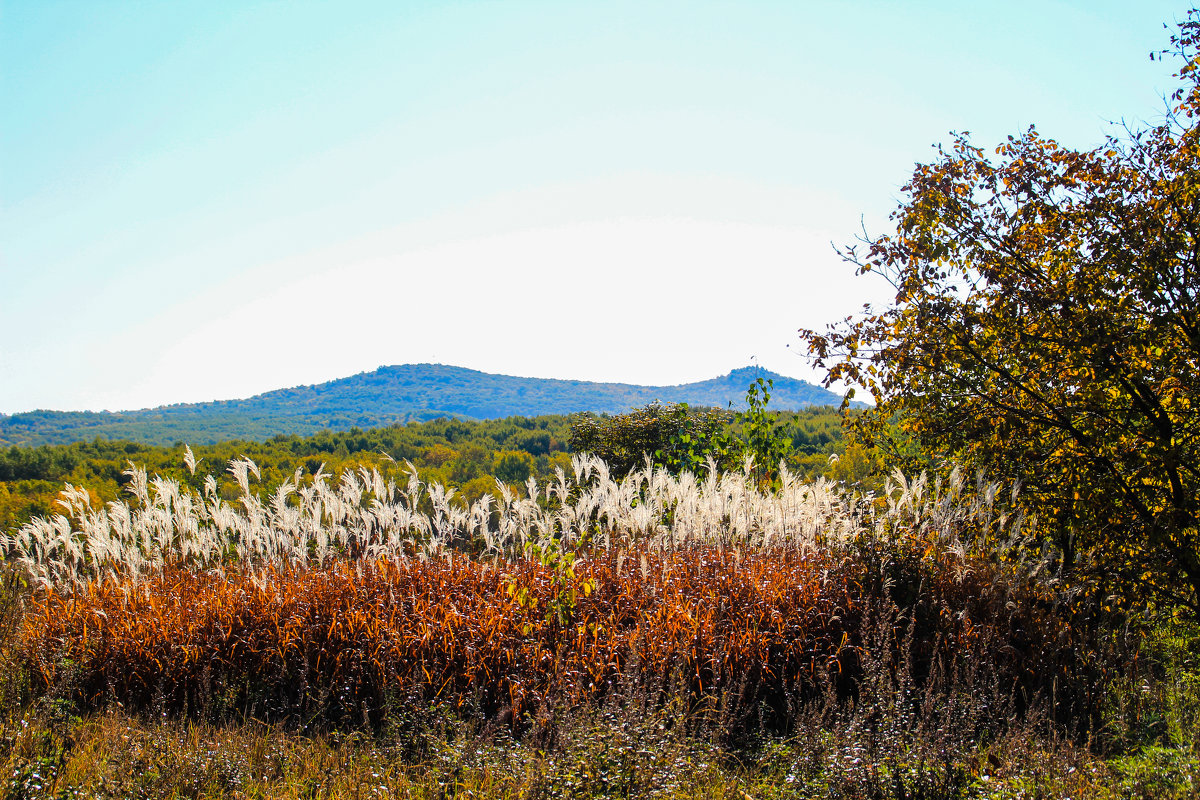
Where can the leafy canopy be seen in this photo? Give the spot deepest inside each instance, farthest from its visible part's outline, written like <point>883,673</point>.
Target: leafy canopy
<point>1046,327</point>
<point>684,439</point>
<point>676,436</point>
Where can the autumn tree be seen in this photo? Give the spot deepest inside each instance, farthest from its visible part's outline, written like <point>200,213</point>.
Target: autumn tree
<point>1046,328</point>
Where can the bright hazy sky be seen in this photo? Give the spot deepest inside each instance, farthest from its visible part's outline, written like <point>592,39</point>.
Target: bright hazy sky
<point>207,200</point>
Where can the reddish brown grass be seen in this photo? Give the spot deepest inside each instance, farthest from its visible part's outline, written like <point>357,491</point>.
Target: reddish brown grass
<point>753,632</point>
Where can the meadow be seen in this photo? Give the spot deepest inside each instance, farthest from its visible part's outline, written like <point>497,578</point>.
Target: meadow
<point>657,634</point>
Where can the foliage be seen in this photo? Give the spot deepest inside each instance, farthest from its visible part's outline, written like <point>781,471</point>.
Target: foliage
<point>565,586</point>
<point>325,597</point>
<point>681,439</point>
<point>630,749</point>
<point>388,512</point>
<point>892,661</point>
<point>512,449</point>
<point>764,438</point>
<point>388,396</point>
<point>675,437</point>
<point>517,448</point>
<point>664,634</point>
<point>1046,327</point>
<point>896,740</point>
<point>753,632</point>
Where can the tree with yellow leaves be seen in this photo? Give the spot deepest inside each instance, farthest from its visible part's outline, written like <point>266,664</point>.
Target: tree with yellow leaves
<point>1046,328</point>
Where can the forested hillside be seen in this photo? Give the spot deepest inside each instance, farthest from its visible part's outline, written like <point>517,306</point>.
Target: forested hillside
<point>388,396</point>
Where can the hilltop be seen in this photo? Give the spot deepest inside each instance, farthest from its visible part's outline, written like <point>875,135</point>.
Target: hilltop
<point>386,396</point>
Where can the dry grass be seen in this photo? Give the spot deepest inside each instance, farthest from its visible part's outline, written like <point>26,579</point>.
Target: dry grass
<point>650,636</point>
<point>366,515</point>
<point>754,634</point>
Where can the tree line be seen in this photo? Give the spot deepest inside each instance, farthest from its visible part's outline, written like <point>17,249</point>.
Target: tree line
<point>469,455</point>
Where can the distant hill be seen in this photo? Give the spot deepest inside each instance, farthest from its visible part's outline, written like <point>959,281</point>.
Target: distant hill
<point>389,395</point>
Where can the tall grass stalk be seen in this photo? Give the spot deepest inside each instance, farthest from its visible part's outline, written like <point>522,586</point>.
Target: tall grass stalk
<point>367,515</point>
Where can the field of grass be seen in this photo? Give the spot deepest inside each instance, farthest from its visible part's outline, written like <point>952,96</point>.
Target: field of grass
<point>368,635</point>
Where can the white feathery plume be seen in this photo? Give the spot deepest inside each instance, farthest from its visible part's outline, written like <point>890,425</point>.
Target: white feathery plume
<point>189,460</point>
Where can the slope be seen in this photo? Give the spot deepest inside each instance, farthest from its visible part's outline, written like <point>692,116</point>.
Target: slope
<point>389,395</point>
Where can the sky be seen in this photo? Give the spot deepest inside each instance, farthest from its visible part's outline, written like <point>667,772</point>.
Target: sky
<point>208,200</point>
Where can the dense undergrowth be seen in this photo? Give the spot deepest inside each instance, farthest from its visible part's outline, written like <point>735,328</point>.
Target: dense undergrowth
<point>648,636</point>
<point>754,635</point>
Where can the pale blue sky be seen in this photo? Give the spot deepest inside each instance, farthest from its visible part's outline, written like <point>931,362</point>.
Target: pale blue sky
<point>205,200</point>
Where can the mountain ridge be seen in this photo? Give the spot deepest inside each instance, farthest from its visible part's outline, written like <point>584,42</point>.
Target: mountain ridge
<point>391,395</point>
